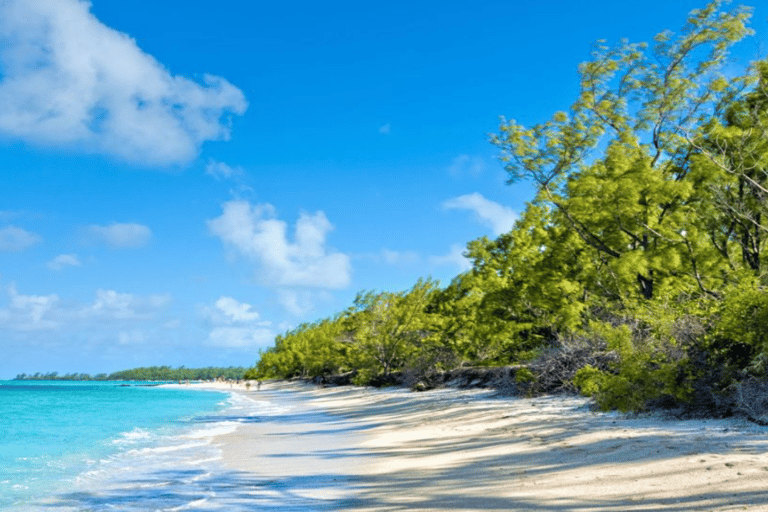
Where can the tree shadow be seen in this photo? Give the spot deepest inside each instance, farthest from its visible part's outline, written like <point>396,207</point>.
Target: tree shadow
<point>204,491</point>
<point>514,446</point>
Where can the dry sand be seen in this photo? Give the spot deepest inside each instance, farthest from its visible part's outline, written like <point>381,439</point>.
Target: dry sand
<point>361,449</point>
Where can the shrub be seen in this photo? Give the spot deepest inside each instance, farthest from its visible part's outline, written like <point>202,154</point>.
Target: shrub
<point>642,373</point>
<point>751,399</point>
<point>524,376</point>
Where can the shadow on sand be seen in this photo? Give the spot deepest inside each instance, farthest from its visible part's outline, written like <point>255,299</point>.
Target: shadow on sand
<point>463,486</point>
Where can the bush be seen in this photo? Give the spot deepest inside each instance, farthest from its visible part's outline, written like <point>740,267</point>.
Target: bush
<point>740,341</point>
<point>524,376</point>
<point>555,367</point>
<point>751,399</point>
<point>590,381</point>
<point>643,373</point>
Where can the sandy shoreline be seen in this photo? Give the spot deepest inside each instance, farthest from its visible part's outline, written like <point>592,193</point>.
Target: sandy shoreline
<point>361,449</point>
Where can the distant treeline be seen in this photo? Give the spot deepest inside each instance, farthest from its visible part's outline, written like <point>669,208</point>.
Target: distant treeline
<point>146,373</point>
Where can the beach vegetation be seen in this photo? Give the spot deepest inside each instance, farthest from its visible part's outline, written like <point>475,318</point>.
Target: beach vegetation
<point>309,350</point>
<point>636,275</point>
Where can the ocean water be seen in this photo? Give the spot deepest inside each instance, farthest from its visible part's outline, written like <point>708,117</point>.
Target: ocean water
<point>111,446</point>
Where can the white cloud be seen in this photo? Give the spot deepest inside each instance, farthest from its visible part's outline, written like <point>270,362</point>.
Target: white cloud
<point>300,302</point>
<point>14,239</point>
<point>385,129</point>
<point>455,257</point>
<point>112,305</point>
<point>399,257</point>
<point>465,164</point>
<point>48,312</point>
<point>121,235</point>
<point>236,311</point>
<point>30,312</point>
<point>236,324</point>
<point>253,231</point>
<point>64,260</point>
<point>294,303</point>
<point>500,218</point>
<point>222,171</point>
<point>241,337</point>
<point>69,80</point>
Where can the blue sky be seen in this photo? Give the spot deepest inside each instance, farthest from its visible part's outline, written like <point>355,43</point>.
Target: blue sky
<point>181,181</point>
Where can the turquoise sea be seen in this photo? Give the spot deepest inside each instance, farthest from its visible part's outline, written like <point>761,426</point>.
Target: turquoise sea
<point>89,446</point>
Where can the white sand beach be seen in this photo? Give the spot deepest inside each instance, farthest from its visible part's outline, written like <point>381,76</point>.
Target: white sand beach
<point>350,448</point>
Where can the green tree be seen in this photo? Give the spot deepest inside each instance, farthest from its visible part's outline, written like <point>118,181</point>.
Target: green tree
<point>736,149</point>
<point>633,204</point>
<point>392,327</point>
<point>523,287</point>
<point>309,350</point>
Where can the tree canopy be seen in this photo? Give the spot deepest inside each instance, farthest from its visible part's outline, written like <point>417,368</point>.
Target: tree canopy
<point>643,246</point>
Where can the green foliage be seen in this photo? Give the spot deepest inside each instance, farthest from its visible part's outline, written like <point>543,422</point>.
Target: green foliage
<point>738,346</point>
<point>590,381</point>
<point>523,287</point>
<point>309,350</point>
<point>377,336</point>
<point>645,371</point>
<point>646,239</point>
<point>251,374</point>
<point>635,205</point>
<point>391,328</point>
<point>166,373</point>
<point>150,373</point>
<point>524,376</point>
<point>363,377</point>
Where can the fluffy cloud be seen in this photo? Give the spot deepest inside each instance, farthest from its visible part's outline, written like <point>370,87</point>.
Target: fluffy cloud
<point>121,235</point>
<point>47,312</point>
<point>222,171</point>
<point>112,305</point>
<point>500,218</point>
<point>236,311</point>
<point>14,239</point>
<point>236,324</point>
<point>295,303</point>
<point>64,260</point>
<point>69,80</point>
<point>455,257</point>
<point>30,312</point>
<point>254,232</point>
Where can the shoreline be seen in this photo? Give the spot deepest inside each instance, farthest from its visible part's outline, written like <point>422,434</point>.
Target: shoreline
<point>347,448</point>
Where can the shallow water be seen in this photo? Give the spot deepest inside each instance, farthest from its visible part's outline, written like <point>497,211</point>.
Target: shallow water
<point>108,446</point>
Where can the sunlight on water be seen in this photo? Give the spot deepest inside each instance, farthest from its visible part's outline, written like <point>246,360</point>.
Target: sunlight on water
<point>59,436</point>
